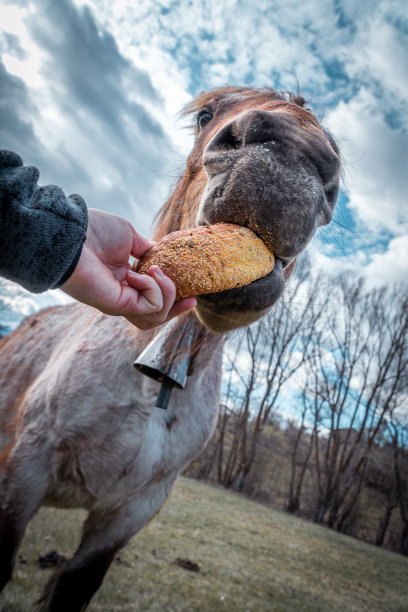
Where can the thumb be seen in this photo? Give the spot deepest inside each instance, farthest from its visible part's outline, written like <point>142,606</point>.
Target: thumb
<point>139,244</point>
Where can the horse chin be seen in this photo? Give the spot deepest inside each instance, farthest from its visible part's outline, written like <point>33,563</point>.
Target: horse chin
<point>223,322</point>
<point>241,306</point>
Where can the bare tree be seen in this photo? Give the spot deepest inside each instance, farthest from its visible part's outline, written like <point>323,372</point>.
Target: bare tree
<point>300,452</point>
<point>356,376</point>
<point>399,431</point>
<point>383,478</point>
<point>274,352</point>
<point>341,349</point>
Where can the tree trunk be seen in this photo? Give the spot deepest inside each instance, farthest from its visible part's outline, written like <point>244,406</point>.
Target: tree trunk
<point>333,513</point>
<point>293,505</point>
<point>404,540</point>
<point>383,527</point>
<point>320,512</point>
<point>239,480</point>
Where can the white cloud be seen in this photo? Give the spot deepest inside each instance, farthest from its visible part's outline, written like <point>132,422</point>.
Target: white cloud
<point>226,42</point>
<point>379,53</point>
<point>375,157</point>
<point>90,123</point>
<point>392,265</point>
<point>387,266</point>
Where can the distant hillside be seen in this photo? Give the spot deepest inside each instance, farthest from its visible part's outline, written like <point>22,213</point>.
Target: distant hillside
<point>268,481</point>
<point>16,303</point>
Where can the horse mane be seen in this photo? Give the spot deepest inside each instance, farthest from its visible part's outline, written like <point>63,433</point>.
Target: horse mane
<point>229,94</point>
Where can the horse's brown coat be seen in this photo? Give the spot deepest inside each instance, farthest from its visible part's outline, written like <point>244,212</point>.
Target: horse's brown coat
<point>78,423</point>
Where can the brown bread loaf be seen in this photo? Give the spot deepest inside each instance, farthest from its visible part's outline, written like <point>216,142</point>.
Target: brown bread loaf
<point>209,258</point>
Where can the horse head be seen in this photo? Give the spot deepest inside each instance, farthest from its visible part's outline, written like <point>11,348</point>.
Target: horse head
<point>261,160</point>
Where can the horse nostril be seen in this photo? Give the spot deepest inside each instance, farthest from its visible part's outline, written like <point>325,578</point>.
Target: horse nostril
<point>257,129</point>
<point>250,127</point>
<point>226,138</point>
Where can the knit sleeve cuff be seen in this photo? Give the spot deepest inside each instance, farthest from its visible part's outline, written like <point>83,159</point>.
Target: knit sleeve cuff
<point>70,270</point>
<point>81,221</point>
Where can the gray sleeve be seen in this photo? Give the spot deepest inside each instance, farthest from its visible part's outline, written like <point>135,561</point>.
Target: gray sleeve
<point>41,230</point>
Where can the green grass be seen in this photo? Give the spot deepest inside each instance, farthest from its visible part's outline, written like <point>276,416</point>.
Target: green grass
<point>251,557</point>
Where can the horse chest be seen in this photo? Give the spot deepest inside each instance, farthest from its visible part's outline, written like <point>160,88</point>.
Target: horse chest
<point>124,449</point>
<point>174,439</point>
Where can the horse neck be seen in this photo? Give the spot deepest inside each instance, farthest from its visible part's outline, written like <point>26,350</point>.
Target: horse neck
<point>182,338</point>
<point>179,212</point>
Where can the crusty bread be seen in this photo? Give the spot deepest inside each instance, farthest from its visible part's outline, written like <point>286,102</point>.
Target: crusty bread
<point>209,258</point>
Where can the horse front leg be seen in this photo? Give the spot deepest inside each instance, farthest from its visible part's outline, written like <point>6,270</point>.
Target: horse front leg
<point>71,587</point>
<point>24,480</point>
<point>11,534</point>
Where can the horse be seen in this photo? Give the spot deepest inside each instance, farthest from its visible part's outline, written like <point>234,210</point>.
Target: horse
<point>79,426</point>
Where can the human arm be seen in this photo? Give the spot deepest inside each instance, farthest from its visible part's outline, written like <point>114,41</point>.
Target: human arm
<point>50,241</point>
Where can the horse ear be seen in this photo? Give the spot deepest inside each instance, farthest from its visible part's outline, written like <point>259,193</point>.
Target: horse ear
<point>299,100</point>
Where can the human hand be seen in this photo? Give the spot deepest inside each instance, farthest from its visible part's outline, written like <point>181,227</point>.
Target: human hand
<point>103,277</point>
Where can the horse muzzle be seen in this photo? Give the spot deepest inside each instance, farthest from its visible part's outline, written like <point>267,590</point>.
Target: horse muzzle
<point>269,173</point>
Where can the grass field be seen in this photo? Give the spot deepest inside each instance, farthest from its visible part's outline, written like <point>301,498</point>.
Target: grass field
<point>250,557</point>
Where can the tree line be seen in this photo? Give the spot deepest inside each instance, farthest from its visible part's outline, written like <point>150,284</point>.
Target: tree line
<point>315,398</point>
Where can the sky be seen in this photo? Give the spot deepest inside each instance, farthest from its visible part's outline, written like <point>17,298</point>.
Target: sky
<point>90,92</point>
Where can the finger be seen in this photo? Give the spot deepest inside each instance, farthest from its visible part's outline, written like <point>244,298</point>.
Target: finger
<point>145,322</point>
<point>141,282</point>
<point>148,298</point>
<point>167,287</point>
<point>139,244</point>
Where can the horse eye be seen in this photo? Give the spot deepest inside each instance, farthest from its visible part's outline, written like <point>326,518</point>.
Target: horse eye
<point>203,118</point>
